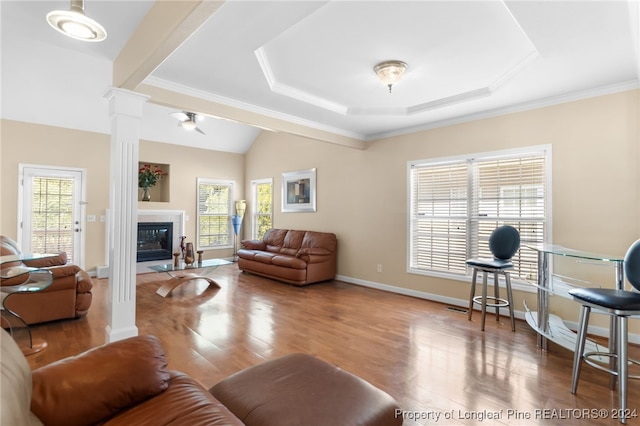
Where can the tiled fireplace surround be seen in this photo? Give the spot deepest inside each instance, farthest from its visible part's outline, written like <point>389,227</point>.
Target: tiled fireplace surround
<point>177,217</point>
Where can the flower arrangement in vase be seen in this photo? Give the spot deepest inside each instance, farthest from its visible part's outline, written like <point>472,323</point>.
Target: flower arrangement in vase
<point>148,177</point>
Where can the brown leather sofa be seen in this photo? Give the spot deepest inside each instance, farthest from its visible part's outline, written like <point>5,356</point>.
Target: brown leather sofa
<point>69,296</point>
<point>291,256</point>
<point>128,383</point>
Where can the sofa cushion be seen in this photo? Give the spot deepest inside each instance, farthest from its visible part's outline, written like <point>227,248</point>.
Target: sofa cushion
<point>264,257</point>
<point>289,262</point>
<point>106,380</point>
<point>292,242</point>
<point>325,240</point>
<point>274,239</point>
<point>15,388</point>
<point>247,254</point>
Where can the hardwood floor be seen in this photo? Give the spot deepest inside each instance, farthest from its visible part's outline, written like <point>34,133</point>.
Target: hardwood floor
<point>432,360</point>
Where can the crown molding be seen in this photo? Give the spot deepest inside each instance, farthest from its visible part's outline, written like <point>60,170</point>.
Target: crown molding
<point>525,106</point>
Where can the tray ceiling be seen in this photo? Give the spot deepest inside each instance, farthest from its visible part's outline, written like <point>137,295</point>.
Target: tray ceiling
<point>311,63</point>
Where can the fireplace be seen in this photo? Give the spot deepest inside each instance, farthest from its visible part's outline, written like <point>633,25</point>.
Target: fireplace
<point>155,240</point>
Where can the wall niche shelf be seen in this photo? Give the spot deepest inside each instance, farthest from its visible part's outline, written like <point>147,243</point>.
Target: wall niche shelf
<point>161,191</point>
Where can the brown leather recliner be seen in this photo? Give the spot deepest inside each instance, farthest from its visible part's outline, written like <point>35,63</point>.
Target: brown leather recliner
<point>69,296</point>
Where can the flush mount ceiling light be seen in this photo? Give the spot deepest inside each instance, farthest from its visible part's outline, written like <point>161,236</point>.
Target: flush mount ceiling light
<point>390,72</point>
<point>75,24</point>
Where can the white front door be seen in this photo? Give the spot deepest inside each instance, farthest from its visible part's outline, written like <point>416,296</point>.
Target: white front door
<point>51,211</point>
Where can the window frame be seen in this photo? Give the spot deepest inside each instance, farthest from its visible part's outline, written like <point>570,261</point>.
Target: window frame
<point>541,150</point>
<point>254,205</point>
<point>230,212</point>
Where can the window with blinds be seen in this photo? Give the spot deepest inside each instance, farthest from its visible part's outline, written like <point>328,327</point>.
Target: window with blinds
<point>455,204</point>
<point>263,207</point>
<point>214,214</point>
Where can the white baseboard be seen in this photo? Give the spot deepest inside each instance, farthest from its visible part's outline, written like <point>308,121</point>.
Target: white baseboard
<point>572,325</point>
<point>102,271</point>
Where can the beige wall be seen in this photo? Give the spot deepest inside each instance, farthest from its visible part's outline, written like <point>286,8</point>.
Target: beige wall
<point>187,165</point>
<point>45,145</point>
<point>362,195</point>
<point>54,146</point>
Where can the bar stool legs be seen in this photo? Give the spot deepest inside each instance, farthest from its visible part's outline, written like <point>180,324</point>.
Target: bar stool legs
<point>496,301</point>
<point>618,354</point>
<point>623,366</point>
<point>620,304</point>
<point>580,343</point>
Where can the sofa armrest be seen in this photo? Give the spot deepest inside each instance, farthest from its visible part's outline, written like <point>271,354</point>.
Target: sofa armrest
<point>64,271</point>
<point>314,255</point>
<point>253,245</point>
<point>46,262</point>
<point>84,284</point>
<point>95,385</point>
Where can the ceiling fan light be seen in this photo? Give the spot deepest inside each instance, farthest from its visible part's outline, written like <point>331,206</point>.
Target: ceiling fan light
<point>188,125</point>
<point>390,72</point>
<point>75,24</point>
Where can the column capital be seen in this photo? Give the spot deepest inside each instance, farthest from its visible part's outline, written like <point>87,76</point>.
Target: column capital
<point>125,102</point>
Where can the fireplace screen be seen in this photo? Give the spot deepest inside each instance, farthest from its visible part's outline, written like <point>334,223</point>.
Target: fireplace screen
<point>154,241</point>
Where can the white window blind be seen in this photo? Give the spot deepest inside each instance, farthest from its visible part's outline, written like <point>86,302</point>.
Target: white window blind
<point>263,207</point>
<point>455,205</point>
<point>214,214</point>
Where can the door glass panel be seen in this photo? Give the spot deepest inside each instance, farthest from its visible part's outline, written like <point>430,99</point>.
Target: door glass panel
<point>52,227</point>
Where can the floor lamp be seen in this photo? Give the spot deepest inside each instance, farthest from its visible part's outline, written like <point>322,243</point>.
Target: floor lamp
<point>236,221</point>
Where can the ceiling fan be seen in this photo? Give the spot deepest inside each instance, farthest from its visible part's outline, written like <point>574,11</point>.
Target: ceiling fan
<point>188,120</point>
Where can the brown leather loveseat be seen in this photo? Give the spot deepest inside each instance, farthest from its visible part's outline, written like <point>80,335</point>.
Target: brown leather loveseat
<point>295,257</point>
<point>69,296</point>
<point>128,383</point>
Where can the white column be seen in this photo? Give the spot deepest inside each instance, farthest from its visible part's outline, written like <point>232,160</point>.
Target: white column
<point>125,111</point>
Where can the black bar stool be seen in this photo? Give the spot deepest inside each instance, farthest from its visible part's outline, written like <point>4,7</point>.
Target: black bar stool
<point>621,304</point>
<point>504,242</point>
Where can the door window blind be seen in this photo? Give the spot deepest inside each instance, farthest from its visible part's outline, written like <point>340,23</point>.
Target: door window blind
<point>52,220</point>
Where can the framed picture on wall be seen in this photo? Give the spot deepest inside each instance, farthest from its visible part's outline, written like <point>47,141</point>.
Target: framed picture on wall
<point>299,191</point>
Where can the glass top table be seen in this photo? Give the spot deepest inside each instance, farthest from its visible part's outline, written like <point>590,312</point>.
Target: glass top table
<point>568,252</point>
<point>182,272</point>
<point>553,328</point>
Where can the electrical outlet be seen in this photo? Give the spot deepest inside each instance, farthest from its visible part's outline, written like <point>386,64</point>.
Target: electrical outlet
<point>379,269</point>
<point>91,218</point>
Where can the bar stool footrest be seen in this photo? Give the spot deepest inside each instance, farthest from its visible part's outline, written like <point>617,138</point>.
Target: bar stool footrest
<point>498,302</point>
<point>587,357</point>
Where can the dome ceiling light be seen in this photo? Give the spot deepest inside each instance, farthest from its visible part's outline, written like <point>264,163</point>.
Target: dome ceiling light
<point>75,24</point>
<point>390,72</point>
